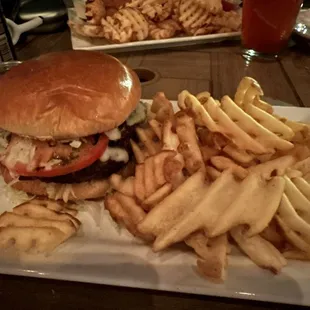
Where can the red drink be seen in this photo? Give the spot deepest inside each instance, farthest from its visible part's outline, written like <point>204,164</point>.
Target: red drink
<point>268,24</point>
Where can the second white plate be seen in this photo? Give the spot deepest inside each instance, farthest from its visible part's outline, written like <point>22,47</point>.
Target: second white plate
<point>94,44</point>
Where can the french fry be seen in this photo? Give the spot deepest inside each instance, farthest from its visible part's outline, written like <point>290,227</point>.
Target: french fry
<point>157,127</point>
<point>162,108</point>
<point>264,197</point>
<point>229,128</point>
<point>212,255</point>
<point>296,198</point>
<point>203,97</point>
<point>292,236</point>
<point>208,152</point>
<point>238,155</point>
<point>150,184</point>
<point>212,173</point>
<point>247,90</point>
<point>287,213</point>
<point>303,186</point>
<point>170,139</point>
<point>172,169</point>
<point>147,136</point>
<point>157,197</point>
<point>189,143</point>
<point>179,202</point>
<point>261,252</point>
<point>271,233</point>
<point>296,254</point>
<point>303,166</point>
<point>270,122</point>
<point>274,167</point>
<point>122,217</point>
<point>160,162</point>
<point>139,154</point>
<point>125,186</point>
<point>188,102</point>
<point>222,163</point>
<point>139,186</point>
<point>135,212</point>
<point>264,136</point>
<point>202,215</point>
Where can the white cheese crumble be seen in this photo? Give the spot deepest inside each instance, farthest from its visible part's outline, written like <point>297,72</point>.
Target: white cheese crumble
<point>114,134</point>
<point>75,144</point>
<point>23,151</point>
<point>114,153</point>
<point>138,115</point>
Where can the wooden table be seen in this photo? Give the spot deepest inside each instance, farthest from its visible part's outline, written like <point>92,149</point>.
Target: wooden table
<point>217,68</point>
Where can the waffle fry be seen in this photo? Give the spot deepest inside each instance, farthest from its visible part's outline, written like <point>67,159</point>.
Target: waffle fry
<point>228,20</point>
<point>126,25</point>
<point>94,11</point>
<point>164,30</point>
<point>113,32</point>
<point>212,6</point>
<point>155,10</point>
<point>192,16</point>
<point>87,30</point>
<point>35,227</point>
<point>137,20</point>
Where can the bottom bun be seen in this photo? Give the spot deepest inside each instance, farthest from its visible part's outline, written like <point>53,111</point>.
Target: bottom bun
<point>76,191</point>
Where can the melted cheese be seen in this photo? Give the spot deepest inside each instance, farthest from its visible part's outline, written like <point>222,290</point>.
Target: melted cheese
<point>115,153</point>
<point>114,134</point>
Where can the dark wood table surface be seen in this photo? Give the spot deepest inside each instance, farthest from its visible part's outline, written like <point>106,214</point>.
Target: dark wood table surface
<point>216,68</point>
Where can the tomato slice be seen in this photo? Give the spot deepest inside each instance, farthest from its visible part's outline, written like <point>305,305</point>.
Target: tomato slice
<point>87,155</point>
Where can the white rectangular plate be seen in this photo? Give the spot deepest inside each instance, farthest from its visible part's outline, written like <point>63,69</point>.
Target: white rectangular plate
<point>93,44</point>
<point>111,256</point>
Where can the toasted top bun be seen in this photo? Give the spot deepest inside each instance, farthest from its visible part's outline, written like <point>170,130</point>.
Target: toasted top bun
<point>67,95</point>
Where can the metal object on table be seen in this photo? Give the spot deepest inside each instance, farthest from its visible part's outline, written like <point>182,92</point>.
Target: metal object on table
<point>7,52</point>
<point>6,66</point>
<point>53,12</point>
<point>302,26</point>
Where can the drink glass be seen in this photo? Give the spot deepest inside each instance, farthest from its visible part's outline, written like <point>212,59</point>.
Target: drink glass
<point>267,26</point>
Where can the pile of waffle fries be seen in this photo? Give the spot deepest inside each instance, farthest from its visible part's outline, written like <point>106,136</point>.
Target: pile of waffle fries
<point>139,20</point>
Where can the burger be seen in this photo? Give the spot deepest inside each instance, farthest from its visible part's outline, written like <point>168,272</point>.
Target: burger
<point>66,122</point>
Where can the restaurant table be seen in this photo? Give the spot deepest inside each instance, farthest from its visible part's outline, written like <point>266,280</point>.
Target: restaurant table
<point>214,67</point>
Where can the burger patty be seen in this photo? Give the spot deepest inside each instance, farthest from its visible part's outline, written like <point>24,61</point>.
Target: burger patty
<point>99,169</point>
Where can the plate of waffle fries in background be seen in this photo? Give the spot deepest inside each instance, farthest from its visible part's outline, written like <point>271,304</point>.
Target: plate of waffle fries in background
<point>218,203</point>
<point>139,24</point>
